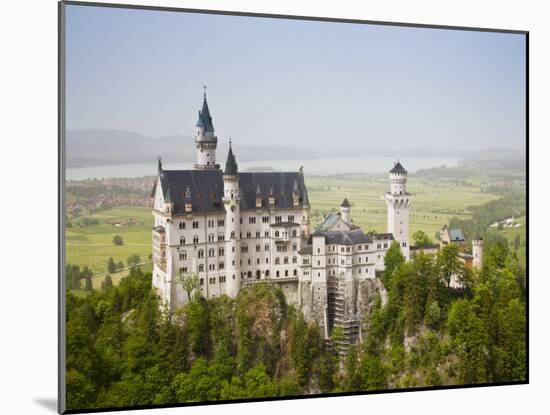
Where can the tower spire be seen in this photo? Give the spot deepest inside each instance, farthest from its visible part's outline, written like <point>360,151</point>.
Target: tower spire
<point>231,167</point>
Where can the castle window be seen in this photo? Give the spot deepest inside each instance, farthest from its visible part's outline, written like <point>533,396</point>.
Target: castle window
<point>318,263</point>
<point>212,280</point>
<point>286,272</point>
<point>222,279</point>
<point>258,247</point>
<point>182,225</point>
<point>277,261</point>
<point>276,234</point>
<point>294,233</point>
<point>183,270</point>
<point>249,274</point>
<point>318,250</point>
<point>258,274</point>
<point>249,235</point>
<point>266,247</point>
<point>404,244</point>
<point>267,273</point>
<point>241,220</point>
<point>265,219</point>
<point>211,252</point>
<point>195,239</point>
<point>251,220</point>
<point>291,218</point>
<point>266,234</point>
<point>385,245</point>
<point>232,234</point>
<point>183,255</point>
<point>342,249</point>
<point>201,267</point>
<point>221,222</point>
<point>232,249</point>
<point>233,276</point>
<point>295,272</point>
<point>201,281</point>
<point>286,260</point>
<point>249,261</point>
<point>212,267</point>
<point>294,260</point>
<point>278,219</point>
<point>221,238</point>
<point>201,253</point>
<point>195,224</point>
<point>276,273</point>
<point>211,238</point>
<point>378,246</point>
<point>244,248</point>
<point>182,240</point>
<point>267,260</point>
<point>221,266</point>
<point>257,261</point>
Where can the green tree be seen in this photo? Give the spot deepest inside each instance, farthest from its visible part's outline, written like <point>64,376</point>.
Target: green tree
<point>189,281</point>
<point>449,264</point>
<point>111,267</point>
<point>392,260</point>
<point>107,283</point>
<point>433,314</point>
<point>133,260</point>
<point>421,239</point>
<point>117,240</point>
<point>517,242</point>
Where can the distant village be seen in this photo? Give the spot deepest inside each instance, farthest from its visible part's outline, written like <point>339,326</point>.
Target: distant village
<point>91,195</point>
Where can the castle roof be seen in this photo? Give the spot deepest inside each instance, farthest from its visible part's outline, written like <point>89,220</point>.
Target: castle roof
<point>231,167</point>
<point>205,120</point>
<point>345,203</point>
<point>456,235</point>
<point>206,189</point>
<point>351,237</point>
<point>398,168</point>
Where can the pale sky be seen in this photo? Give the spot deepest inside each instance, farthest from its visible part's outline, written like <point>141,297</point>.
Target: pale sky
<point>294,82</point>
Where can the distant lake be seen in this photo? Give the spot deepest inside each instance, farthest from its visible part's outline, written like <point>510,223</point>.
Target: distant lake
<point>320,166</point>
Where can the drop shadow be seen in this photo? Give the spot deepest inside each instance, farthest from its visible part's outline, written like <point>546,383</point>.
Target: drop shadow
<point>48,403</point>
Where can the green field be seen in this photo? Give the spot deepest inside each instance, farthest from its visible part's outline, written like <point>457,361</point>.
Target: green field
<point>434,203</point>
<point>92,246</point>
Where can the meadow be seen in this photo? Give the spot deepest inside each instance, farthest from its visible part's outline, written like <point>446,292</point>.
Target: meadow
<point>433,204</point>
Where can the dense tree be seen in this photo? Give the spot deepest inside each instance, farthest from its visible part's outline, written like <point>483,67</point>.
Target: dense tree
<point>189,281</point>
<point>392,260</point>
<point>133,260</point>
<point>107,283</point>
<point>117,240</point>
<point>111,267</point>
<point>421,239</point>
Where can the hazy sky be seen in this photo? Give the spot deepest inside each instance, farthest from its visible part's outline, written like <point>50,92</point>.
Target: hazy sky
<point>285,81</point>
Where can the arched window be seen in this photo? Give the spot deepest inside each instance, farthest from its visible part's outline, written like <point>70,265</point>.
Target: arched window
<point>182,240</point>
<point>295,272</point>
<point>266,247</point>
<point>249,274</point>
<point>211,252</point>
<point>201,253</point>
<point>277,261</point>
<point>201,267</point>
<point>276,234</point>
<point>182,225</point>
<point>286,260</point>
<point>183,255</point>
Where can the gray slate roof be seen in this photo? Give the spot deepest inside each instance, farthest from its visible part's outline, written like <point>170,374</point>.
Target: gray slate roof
<point>351,237</point>
<point>205,120</point>
<point>231,167</point>
<point>345,203</point>
<point>206,189</point>
<point>398,168</point>
<point>456,235</point>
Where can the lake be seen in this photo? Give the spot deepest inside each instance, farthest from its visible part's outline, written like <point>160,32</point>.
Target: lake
<point>320,166</point>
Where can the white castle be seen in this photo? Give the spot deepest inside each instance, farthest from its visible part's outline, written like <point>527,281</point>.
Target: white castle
<point>235,228</point>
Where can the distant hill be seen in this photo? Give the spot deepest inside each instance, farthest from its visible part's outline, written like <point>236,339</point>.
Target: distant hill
<point>99,147</point>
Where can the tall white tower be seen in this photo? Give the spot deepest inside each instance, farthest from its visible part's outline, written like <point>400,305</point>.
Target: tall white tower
<point>398,202</point>
<point>477,252</point>
<point>231,202</point>
<point>205,140</point>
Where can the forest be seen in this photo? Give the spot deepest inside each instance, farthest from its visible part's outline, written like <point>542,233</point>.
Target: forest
<point>123,349</point>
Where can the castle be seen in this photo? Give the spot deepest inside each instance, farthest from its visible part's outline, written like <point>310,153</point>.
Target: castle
<point>233,229</point>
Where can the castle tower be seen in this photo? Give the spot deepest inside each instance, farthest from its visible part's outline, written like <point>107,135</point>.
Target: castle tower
<point>231,202</point>
<point>345,209</point>
<point>205,140</point>
<point>477,252</point>
<point>398,202</point>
